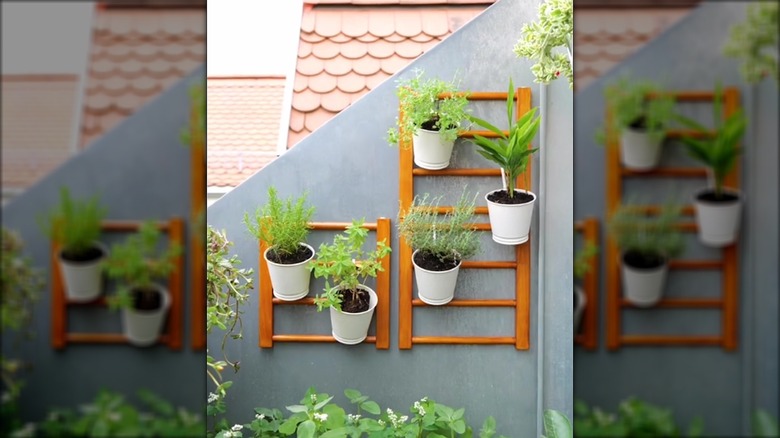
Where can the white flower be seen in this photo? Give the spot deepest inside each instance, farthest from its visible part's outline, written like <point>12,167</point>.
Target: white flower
<point>381,423</point>
<point>353,419</point>
<point>213,397</point>
<point>236,427</point>
<point>260,416</point>
<point>314,398</point>
<point>418,407</point>
<point>404,418</point>
<point>320,417</point>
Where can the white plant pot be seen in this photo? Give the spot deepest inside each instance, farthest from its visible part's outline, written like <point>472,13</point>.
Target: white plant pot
<point>290,282</point>
<point>511,223</point>
<point>83,280</point>
<point>430,150</point>
<point>582,301</point>
<point>352,328</point>
<point>718,222</point>
<point>643,287</point>
<point>435,287</point>
<point>143,327</point>
<point>638,151</point>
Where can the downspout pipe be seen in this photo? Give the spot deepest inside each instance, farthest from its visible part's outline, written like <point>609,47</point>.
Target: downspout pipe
<point>541,256</point>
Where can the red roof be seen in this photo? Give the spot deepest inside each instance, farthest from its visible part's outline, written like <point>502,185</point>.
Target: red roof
<point>242,127</point>
<point>347,48</point>
<point>136,54</point>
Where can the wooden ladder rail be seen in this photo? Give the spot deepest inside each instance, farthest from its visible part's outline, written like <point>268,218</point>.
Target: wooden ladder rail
<point>588,335</point>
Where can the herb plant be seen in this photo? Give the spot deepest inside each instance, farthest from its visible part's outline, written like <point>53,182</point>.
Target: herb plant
<point>346,264</point>
<point>638,104</point>
<point>582,258</point>
<point>651,238</point>
<point>283,225</point>
<point>450,239</point>
<point>634,418</point>
<point>719,152</point>
<point>75,225</point>
<point>755,42</point>
<point>511,152</point>
<point>136,263</point>
<point>424,108</point>
<point>554,29</point>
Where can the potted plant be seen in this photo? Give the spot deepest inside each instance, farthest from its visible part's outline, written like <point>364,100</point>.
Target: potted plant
<point>284,226</point>
<point>74,226</point>
<point>428,122</point>
<point>754,42</point>
<point>646,243</point>
<point>440,245</point>
<point>510,209</point>
<point>582,267</point>
<point>555,29</point>
<point>346,266</point>
<point>136,264</point>
<point>718,208</point>
<point>641,113</point>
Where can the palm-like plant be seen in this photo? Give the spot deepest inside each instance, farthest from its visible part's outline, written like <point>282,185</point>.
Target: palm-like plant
<point>510,152</point>
<point>719,151</point>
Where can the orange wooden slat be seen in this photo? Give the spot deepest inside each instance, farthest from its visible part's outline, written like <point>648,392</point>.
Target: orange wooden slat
<point>383,288</point>
<point>59,315</point>
<point>479,95</point>
<point>670,340</point>
<point>682,303</point>
<point>339,226</point>
<point>418,171</point>
<point>730,297</point>
<point>315,338</point>
<point>463,340</point>
<point>591,284</point>
<point>96,338</point>
<point>523,296</point>
<point>696,264</point>
<point>175,286</point>
<point>447,209</point>
<point>663,172</point>
<point>470,303</point>
<point>486,134</point>
<point>265,297</point>
<point>405,277</point>
<point>487,264</point>
<point>679,133</point>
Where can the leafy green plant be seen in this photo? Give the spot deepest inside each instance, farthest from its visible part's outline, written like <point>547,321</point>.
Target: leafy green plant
<point>136,264</point>
<point>283,225</point>
<point>346,264</point>
<point>582,259</point>
<point>635,418</point>
<point>719,152</point>
<point>555,29</point>
<point>637,104</point>
<point>423,108</point>
<point>510,152</point>
<point>651,237</point>
<point>198,114</point>
<point>556,425</point>
<point>450,239</point>
<point>755,42</point>
<point>764,425</point>
<point>74,225</point>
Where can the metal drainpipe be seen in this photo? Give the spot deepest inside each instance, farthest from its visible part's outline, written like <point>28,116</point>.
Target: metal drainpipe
<point>540,258</point>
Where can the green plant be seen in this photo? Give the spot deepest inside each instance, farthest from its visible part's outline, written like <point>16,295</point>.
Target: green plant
<point>637,104</point>
<point>424,108</point>
<point>554,29</point>
<point>635,418</point>
<point>511,152</point>
<point>556,425</point>
<point>652,238</point>
<point>136,264</point>
<point>719,151</point>
<point>317,416</point>
<point>197,114</point>
<point>582,258</point>
<point>754,41</point>
<point>283,225</point>
<point>346,264</point>
<point>74,225</point>
<point>449,239</point>
<point>764,425</point>
<point>21,283</point>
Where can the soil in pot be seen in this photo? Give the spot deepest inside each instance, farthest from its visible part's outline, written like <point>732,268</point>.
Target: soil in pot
<point>431,125</point>
<point>92,253</point>
<point>430,262</point>
<point>502,197</point>
<point>640,124</point>
<point>711,196</point>
<point>302,254</point>
<point>642,261</point>
<point>146,299</point>
<point>354,301</point>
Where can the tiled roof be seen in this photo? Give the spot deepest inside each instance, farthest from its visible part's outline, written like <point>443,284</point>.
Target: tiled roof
<point>38,126</point>
<point>135,55</point>
<point>604,37</point>
<point>347,48</point>
<point>242,127</point>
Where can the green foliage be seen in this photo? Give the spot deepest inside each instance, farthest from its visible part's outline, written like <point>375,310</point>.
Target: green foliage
<point>74,225</point>
<point>449,239</point>
<point>111,415</point>
<point>136,263</point>
<point>754,41</point>
<point>317,416</point>
<point>21,283</point>
<point>630,104</point>
<point>582,259</point>
<point>764,425</point>
<point>554,29</point>
<point>636,231</point>
<point>511,151</point>
<point>198,106</point>
<point>284,225</point>
<point>419,100</point>
<point>719,152</point>
<point>635,418</point>
<point>346,264</point>
<point>556,425</point>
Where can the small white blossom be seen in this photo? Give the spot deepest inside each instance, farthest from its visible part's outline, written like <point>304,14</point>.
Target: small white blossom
<point>236,427</point>
<point>381,423</point>
<point>213,397</point>
<point>353,419</point>
<point>418,407</point>
<point>404,418</point>
<point>320,417</point>
<point>314,398</point>
<point>260,416</point>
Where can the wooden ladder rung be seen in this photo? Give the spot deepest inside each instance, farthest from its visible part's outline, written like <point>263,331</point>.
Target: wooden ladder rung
<point>681,303</point>
<point>419,171</point>
<point>488,264</point>
<point>670,340</point>
<point>696,264</point>
<point>682,172</point>
<point>104,338</point>
<point>464,340</point>
<point>315,338</point>
<point>470,303</point>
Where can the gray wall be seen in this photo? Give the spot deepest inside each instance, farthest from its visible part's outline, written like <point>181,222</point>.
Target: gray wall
<point>722,387</point>
<point>350,172</point>
<point>141,171</point>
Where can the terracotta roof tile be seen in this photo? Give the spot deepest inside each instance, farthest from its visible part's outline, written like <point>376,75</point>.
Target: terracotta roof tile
<point>345,51</point>
<point>242,127</point>
<point>136,54</point>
